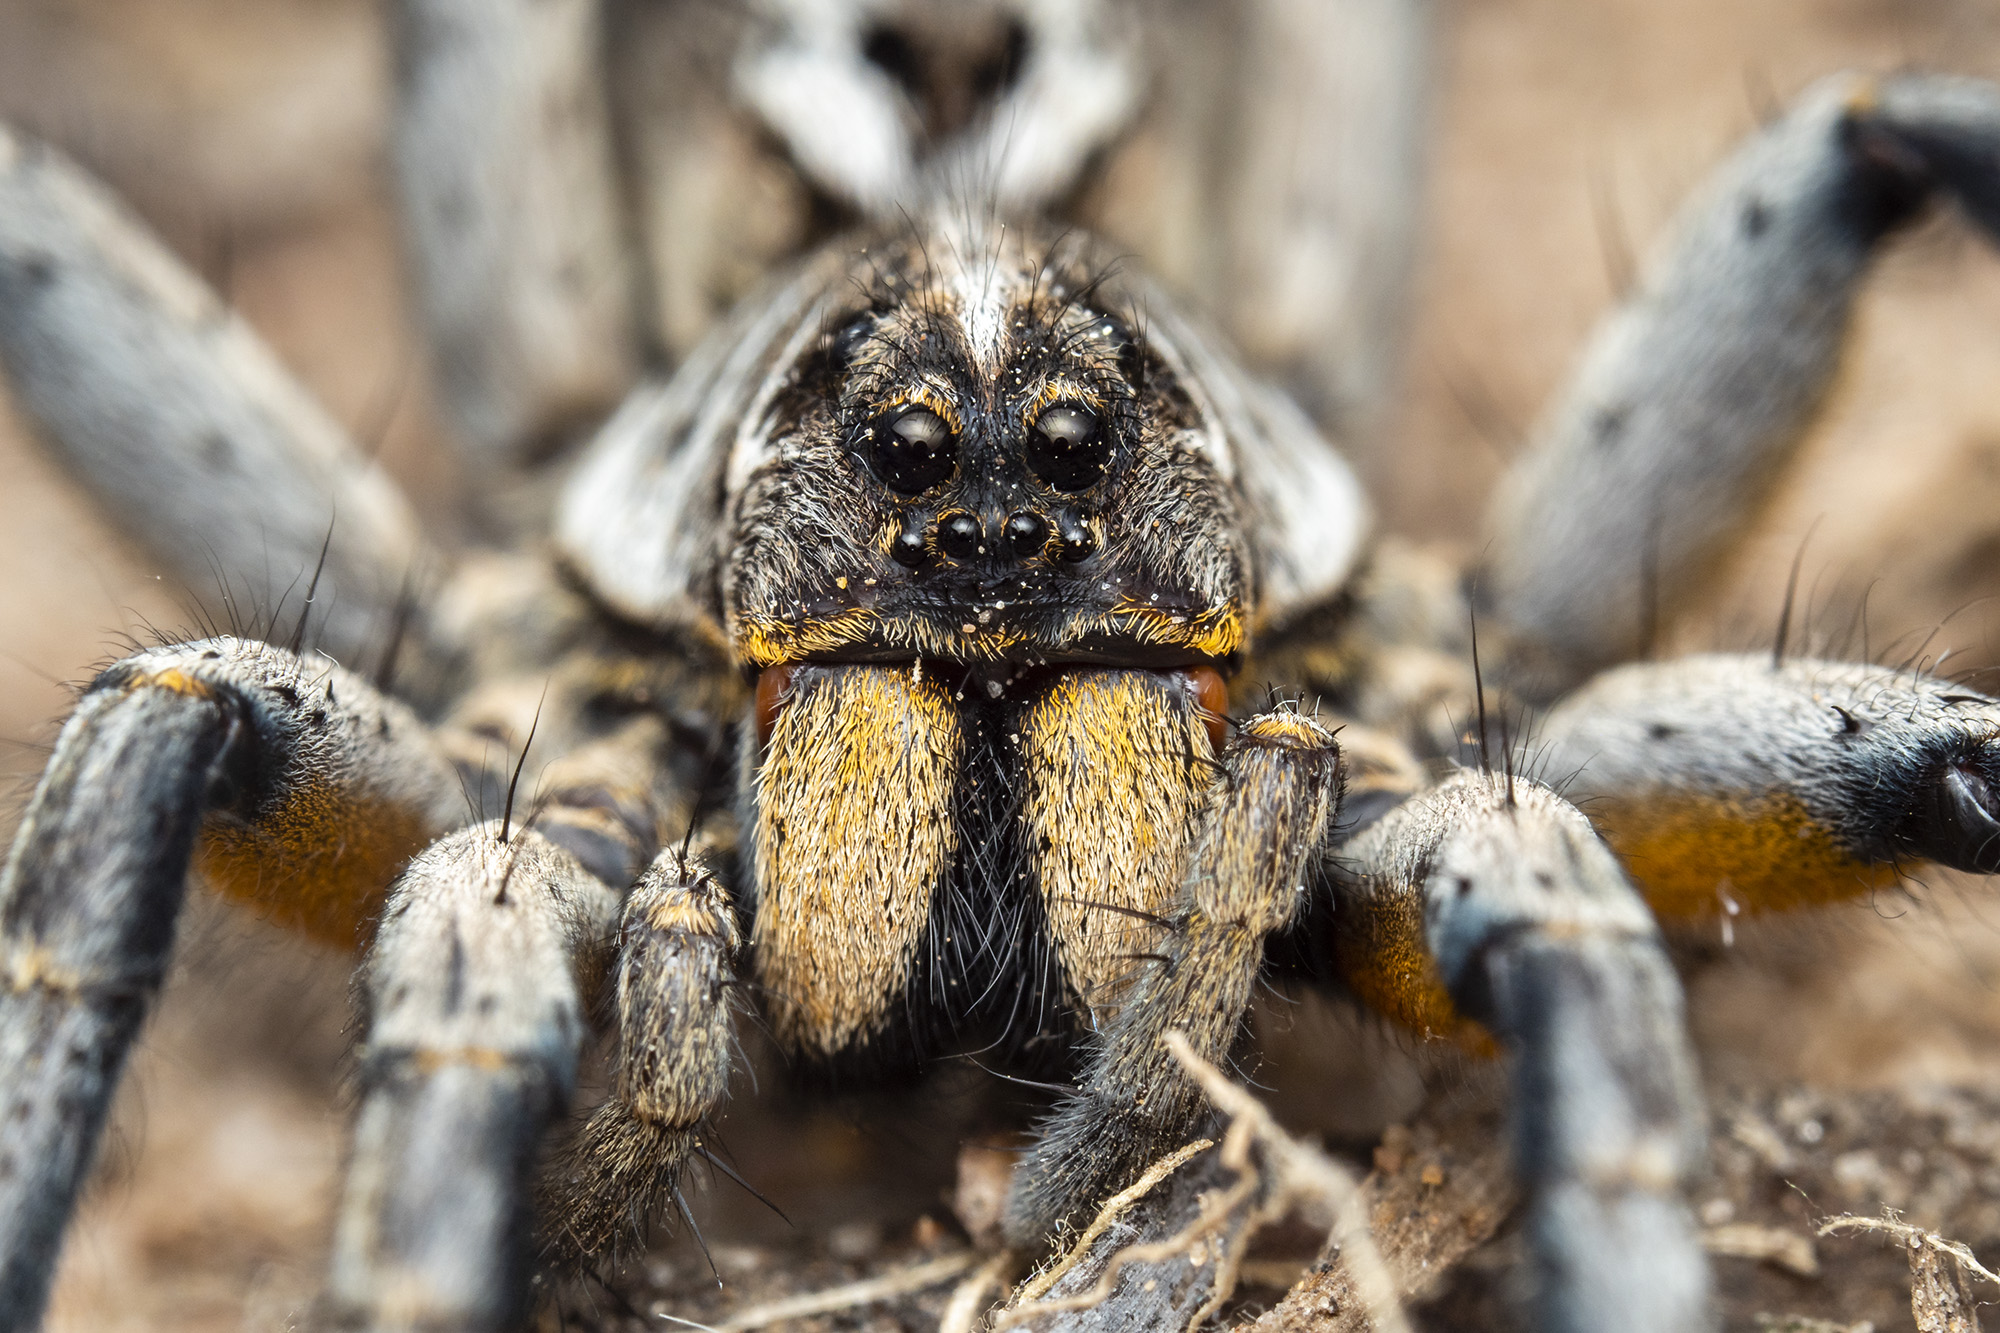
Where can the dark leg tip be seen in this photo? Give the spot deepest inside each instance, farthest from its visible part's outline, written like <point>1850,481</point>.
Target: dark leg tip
<point>1959,822</point>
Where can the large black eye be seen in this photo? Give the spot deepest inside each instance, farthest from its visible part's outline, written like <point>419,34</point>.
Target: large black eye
<point>912,449</point>
<point>1067,448</point>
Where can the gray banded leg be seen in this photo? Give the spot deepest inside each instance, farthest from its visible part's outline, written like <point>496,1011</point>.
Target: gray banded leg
<point>1244,881</point>
<point>1320,197</point>
<point>1536,934</point>
<point>675,1050</point>
<point>474,1026</point>
<point>510,198</point>
<point>1732,784</point>
<point>293,784</point>
<point>182,424</point>
<point>1691,399</point>
<point>608,801</point>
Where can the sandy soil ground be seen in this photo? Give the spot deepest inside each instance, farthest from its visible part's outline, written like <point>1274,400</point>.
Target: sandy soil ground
<point>249,132</point>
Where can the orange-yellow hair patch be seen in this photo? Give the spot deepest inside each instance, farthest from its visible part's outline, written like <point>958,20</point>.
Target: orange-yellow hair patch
<point>1697,857</point>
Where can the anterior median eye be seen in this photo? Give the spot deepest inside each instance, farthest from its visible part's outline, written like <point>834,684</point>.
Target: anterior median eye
<point>912,449</point>
<point>1067,448</point>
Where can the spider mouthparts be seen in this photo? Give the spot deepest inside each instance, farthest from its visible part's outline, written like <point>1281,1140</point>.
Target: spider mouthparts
<point>774,683</point>
<point>1963,822</point>
<point>1211,696</point>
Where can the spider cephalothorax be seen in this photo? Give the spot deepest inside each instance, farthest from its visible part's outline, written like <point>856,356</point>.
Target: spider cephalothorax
<point>1006,455</point>
<point>954,538</point>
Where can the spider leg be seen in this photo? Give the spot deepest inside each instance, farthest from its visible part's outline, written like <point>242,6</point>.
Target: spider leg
<point>180,422</point>
<point>474,1024</point>
<point>289,784</point>
<point>1244,881</point>
<point>1320,205</point>
<point>1491,899</point>
<point>1692,399</point>
<point>1733,784</point>
<point>678,936</point>
<point>693,160</point>
<point>503,155</point>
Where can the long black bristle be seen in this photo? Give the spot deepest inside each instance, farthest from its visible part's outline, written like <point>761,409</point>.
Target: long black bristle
<point>1150,918</point>
<point>312,590</point>
<point>730,1171</point>
<point>513,783</point>
<point>1479,689</point>
<point>1061,1089</point>
<point>617,1298</point>
<point>695,1231</point>
<point>400,621</point>
<point>1791,591</point>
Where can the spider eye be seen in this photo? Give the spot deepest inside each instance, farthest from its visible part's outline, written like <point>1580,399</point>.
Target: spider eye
<point>912,449</point>
<point>1067,448</point>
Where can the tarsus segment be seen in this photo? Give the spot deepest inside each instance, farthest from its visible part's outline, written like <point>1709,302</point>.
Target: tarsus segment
<point>677,943</point>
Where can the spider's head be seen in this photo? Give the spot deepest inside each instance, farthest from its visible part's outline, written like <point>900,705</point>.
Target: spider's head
<point>982,457</point>
<point>970,445</point>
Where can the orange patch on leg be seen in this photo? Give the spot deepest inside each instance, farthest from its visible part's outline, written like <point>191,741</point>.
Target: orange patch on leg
<point>1379,944</point>
<point>1700,857</point>
<point>321,863</point>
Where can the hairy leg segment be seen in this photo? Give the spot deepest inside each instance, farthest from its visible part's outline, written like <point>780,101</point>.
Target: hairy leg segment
<point>1692,399</point>
<point>474,995</point>
<point>1490,901</point>
<point>293,785</point>
<point>1279,781</point>
<point>1737,785</point>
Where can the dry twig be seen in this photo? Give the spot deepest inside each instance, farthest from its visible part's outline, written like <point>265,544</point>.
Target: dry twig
<point>1940,1297</point>
<point>1772,1245</point>
<point>1287,1177</point>
<point>1434,1196</point>
<point>1114,1208</point>
<point>868,1291</point>
<point>969,1298</point>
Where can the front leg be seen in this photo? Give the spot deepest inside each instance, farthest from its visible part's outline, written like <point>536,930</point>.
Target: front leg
<point>1245,880</point>
<point>474,1023</point>
<point>290,784</point>
<point>1491,900</point>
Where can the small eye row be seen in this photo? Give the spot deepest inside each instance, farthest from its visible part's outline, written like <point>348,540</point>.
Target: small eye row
<point>913,448</point>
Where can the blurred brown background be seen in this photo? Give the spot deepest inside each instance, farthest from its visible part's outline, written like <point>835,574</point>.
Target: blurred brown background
<point>250,132</point>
